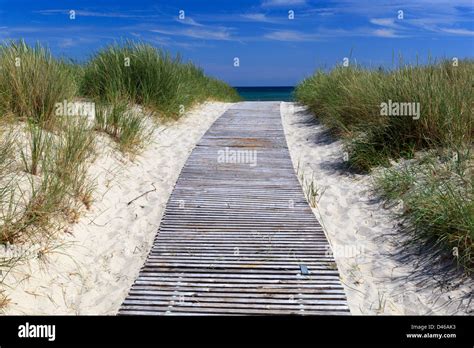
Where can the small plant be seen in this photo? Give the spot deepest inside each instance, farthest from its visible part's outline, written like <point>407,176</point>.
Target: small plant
<point>382,301</point>
<point>3,300</point>
<point>127,127</point>
<point>311,191</point>
<point>7,207</point>
<point>7,149</point>
<point>73,152</point>
<point>38,143</point>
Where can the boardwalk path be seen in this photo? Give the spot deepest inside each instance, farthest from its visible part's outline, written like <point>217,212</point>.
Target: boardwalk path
<point>239,238</point>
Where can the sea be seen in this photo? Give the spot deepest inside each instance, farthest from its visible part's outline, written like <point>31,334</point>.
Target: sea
<point>283,93</point>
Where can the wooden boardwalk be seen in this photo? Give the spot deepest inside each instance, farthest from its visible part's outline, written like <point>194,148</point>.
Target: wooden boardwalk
<point>239,238</point>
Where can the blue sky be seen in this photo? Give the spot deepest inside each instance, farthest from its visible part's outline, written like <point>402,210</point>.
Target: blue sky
<point>272,48</point>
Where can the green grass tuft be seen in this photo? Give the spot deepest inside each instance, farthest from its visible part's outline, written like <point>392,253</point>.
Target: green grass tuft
<point>142,74</point>
<point>126,126</point>
<point>348,100</point>
<point>32,81</point>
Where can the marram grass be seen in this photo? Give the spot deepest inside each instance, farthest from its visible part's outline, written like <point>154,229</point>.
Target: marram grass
<point>348,100</point>
<point>437,192</point>
<point>142,74</point>
<point>32,81</point>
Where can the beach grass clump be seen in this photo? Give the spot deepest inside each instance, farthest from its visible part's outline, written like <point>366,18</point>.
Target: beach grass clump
<point>38,144</point>
<point>126,126</point>
<point>32,81</point>
<point>7,149</point>
<point>7,177</point>
<point>72,155</point>
<point>350,101</point>
<point>59,187</point>
<point>142,74</point>
<point>437,196</point>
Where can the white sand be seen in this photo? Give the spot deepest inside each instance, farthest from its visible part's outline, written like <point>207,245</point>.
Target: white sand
<point>380,274</point>
<point>91,269</point>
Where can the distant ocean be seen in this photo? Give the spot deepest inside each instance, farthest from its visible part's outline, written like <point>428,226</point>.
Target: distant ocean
<point>266,93</point>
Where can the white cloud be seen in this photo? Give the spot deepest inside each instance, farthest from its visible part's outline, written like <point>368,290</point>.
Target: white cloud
<point>386,22</point>
<point>258,17</point>
<point>385,33</point>
<point>66,43</point>
<point>458,31</point>
<point>290,35</point>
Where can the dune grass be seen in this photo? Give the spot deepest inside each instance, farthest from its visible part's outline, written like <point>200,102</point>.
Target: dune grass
<point>437,194</point>
<point>58,188</point>
<point>348,100</point>
<point>142,74</point>
<point>124,125</point>
<point>32,81</point>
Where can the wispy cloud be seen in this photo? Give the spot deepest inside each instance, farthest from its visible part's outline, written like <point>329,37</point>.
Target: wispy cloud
<point>458,31</point>
<point>386,22</point>
<point>290,35</point>
<point>389,33</point>
<point>189,21</point>
<point>283,3</point>
<point>66,43</point>
<point>443,17</point>
<point>84,13</point>
<point>259,17</point>
<point>167,41</point>
<point>220,33</point>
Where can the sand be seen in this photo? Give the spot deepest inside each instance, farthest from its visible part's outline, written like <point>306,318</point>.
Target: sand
<point>90,269</point>
<point>380,273</point>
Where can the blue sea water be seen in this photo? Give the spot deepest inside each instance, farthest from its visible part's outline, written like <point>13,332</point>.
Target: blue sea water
<point>284,93</point>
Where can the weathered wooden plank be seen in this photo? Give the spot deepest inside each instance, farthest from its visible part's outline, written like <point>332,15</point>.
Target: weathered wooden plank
<point>235,235</point>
